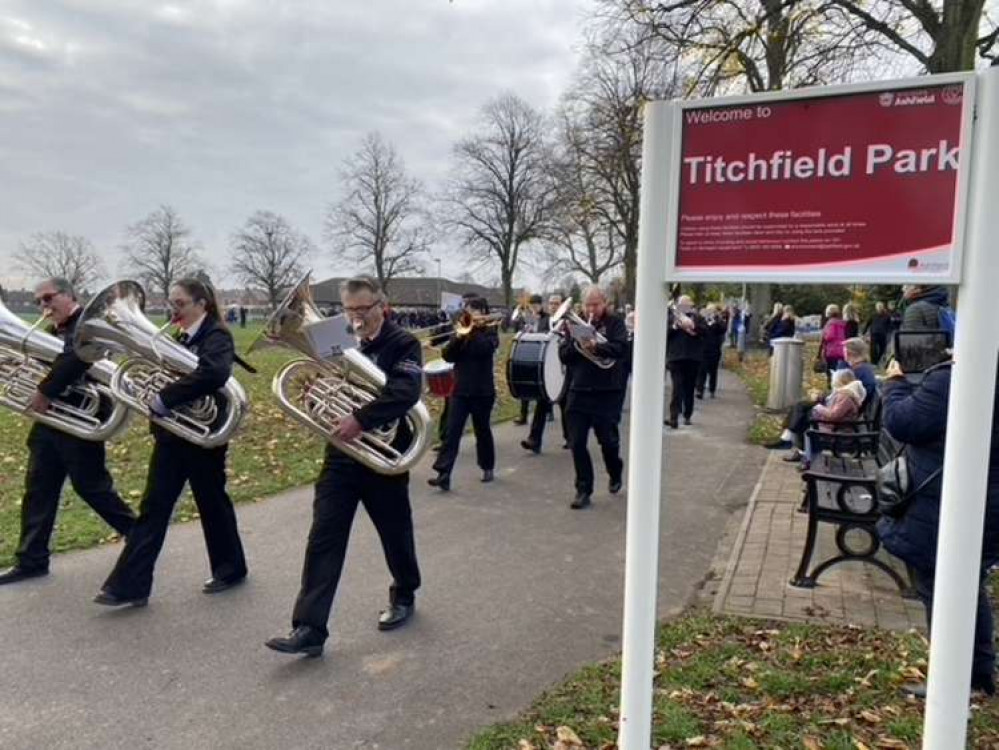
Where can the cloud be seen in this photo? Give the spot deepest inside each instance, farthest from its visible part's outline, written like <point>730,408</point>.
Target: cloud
<point>224,107</point>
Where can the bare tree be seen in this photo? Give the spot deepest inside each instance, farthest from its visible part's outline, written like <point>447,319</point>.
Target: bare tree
<point>768,45</point>
<point>159,251</point>
<point>48,254</point>
<point>499,196</point>
<point>579,237</point>
<point>381,222</point>
<point>268,254</point>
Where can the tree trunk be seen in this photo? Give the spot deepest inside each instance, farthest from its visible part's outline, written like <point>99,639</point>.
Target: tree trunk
<point>630,263</point>
<point>955,44</point>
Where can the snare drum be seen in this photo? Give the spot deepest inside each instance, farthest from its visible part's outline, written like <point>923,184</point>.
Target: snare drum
<point>534,370</point>
<point>440,378</point>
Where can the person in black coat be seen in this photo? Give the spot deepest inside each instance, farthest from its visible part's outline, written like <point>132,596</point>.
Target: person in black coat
<point>879,331</point>
<point>542,407</point>
<point>53,455</point>
<point>596,395</point>
<point>537,322</point>
<point>714,339</point>
<point>474,395</point>
<point>176,462</point>
<point>916,415</point>
<point>684,354</point>
<point>344,482</point>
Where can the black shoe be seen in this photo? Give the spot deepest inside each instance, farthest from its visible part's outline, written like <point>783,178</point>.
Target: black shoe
<point>17,573</point>
<point>700,395</point>
<point>778,445</point>
<point>985,685</point>
<point>674,423</point>
<point>527,445</point>
<point>108,599</point>
<point>615,486</point>
<point>582,500</point>
<point>301,640</point>
<point>217,585</point>
<point>915,689</point>
<point>395,616</point>
<point>443,481</point>
<point>487,475</point>
<point>686,421</point>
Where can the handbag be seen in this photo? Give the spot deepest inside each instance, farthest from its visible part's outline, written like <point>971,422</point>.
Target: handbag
<point>820,365</point>
<point>894,485</point>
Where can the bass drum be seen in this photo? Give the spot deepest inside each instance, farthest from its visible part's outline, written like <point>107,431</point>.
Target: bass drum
<point>534,370</point>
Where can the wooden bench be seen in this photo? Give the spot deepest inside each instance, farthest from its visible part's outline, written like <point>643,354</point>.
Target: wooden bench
<point>841,490</point>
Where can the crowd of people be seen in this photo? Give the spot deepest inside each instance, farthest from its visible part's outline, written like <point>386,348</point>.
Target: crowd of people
<point>594,346</point>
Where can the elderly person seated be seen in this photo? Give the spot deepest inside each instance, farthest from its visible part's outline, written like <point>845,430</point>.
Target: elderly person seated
<point>842,406</point>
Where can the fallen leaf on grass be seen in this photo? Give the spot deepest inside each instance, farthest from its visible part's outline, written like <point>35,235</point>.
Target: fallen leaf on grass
<point>810,743</point>
<point>568,736</point>
<point>526,745</point>
<point>870,717</point>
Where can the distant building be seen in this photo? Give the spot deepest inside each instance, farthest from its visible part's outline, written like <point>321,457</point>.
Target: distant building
<point>414,291</point>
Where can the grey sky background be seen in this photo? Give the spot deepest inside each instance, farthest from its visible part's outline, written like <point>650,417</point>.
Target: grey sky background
<point>109,108</point>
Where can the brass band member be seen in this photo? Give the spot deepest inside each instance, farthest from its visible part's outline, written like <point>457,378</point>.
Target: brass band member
<point>532,323</point>
<point>54,455</point>
<point>343,483</point>
<point>684,352</point>
<point>175,462</point>
<point>542,408</point>
<point>596,396</point>
<point>474,394</point>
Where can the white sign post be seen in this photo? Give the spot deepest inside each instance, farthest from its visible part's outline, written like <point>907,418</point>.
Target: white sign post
<point>972,388</point>
<point>969,433</point>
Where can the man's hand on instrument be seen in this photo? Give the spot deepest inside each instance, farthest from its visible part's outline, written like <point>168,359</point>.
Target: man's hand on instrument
<point>348,429</point>
<point>158,408</point>
<point>590,345</point>
<point>40,403</point>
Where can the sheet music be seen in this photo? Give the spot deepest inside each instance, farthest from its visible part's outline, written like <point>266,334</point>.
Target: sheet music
<point>331,337</point>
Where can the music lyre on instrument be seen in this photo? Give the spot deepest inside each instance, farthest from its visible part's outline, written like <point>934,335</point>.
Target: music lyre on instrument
<point>87,410</point>
<point>565,321</point>
<point>319,393</point>
<point>114,321</point>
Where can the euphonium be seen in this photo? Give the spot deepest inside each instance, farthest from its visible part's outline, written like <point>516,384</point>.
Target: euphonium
<point>319,393</point>
<point>115,321</point>
<point>87,410</point>
<point>564,316</point>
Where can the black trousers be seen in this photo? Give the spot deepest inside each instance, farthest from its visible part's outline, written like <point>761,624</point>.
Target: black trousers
<point>479,408</point>
<point>174,463</point>
<point>879,343</point>
<point>52,456</point>
<point>542,408</point>
<point>605,427</point>
<point>442,421</point>
<point>683,374</point>
<point>707,373</point>
<point>341,486</point>
<point>525,406</point>
<point>983,661</point>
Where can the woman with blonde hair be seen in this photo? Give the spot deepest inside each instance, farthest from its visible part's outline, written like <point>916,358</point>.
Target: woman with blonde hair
<point>833,336</point>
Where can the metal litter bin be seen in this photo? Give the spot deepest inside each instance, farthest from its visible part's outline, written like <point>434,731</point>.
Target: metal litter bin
<point>786,369</point>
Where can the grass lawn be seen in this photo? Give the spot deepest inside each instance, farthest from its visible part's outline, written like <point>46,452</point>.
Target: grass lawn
<point>755,373</point>
<point>740,684</point>
<point>271,453</point>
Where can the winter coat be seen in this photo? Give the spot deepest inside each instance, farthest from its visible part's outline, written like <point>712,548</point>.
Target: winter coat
<point>922,313</point>
<point>833,336</point>
<point>842,406</point>
<point>917,416</point>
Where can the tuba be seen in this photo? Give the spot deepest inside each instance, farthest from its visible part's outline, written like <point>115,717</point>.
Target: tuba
<point>114,321</point>
<point>565,319</point>
<point>319,393</point>
<point>87,409</point>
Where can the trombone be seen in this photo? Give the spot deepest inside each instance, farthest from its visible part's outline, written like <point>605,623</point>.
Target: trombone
<point>462,326</point>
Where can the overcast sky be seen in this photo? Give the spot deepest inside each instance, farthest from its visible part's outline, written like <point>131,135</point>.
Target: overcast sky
<point>109,108</point>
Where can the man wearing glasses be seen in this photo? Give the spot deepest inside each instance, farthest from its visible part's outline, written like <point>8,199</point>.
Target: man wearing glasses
<point>54,455</point>
<point>343,482</point>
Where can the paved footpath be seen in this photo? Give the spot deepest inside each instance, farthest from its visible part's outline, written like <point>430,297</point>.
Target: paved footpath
<point>518,591</point>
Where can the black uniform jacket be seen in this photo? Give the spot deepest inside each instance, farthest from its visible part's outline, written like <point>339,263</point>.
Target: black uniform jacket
<point>67,368</point>
<point>586,376</point>
<point>472,356</point>
<point>213,344</point>
<point>398,354</point>
<point>681,345</point>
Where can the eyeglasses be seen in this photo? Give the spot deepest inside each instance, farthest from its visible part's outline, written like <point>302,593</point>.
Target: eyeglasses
<point>361,309</point>
<point>180,304</point>
<point>45,299</point>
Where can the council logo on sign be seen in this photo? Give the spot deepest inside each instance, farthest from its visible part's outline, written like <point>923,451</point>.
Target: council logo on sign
<point>952,94</point>
<point>886,99</point>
